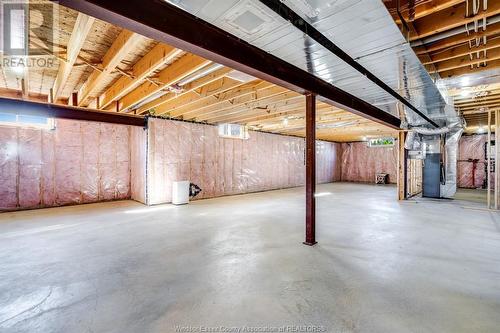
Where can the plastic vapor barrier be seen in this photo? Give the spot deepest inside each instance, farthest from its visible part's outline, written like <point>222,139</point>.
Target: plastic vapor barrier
<point>361,163</point>
<point>472,161</point>
<point>138,158</point>
<point>221,166</point>
<point>77,162</point>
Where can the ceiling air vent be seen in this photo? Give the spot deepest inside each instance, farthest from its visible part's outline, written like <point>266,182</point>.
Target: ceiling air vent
<point>248,22</point>
<point>248,19</point>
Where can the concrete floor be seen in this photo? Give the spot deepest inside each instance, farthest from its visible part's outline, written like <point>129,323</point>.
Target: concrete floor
<point>379,266</point>
<point>473,195</point>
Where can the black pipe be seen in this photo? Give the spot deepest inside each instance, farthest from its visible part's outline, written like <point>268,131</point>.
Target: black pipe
<point>288,14</point>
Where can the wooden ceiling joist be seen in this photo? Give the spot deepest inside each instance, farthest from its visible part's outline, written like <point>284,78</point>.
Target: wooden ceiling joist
<point>281,114</point>
<point>18,94</point>
<point>264,104</point>
<point>426,8</point>
<point>478,104</point>
<point>457,93</point>
<point>491,30</point>
<point>490,64</point>
<point>268,114</point>
<point>81,29</point>
<point>175,72</point>
<point>320,120</point>
<point>145,67</point>
<point>192,91</point>
<point>461,51</point>
<point>465,61</point>
<point>122,45</point>
<point>451,18</point>
<point>470,102</point>
<point>234,105</point>
<point>193,109</point>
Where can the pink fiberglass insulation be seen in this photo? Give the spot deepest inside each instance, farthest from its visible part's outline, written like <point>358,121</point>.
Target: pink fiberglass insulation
<point>221,166</point>
<point>77,162</point>
<point>361,163</point>
<point>138,145</point>
<point>471,161</point>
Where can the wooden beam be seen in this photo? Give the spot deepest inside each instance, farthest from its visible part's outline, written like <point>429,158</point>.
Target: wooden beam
<point>151,62</point>
<point>18,94</point>
<point>492,30</point>
<point>280,114</point>
<point>189,33</point>
<point>425,8</point>
<point>465,61</point>
<point>73,100</point>
<point>300,124</point>
<point>189,92</point>
<point>489,106</point>
<point>242,103</point>
<point>24,87</point>
<point>122,45</point>
<point>484,101</point>
<point>199,97</point>
<point>451,18</point>
<point>81,29</point>
<point>252,115</point>
<point>310,170</point>
<point>456,93</point>
<point>295,103</point>
<point>221,97</point>
<point>461,51</point>
<point>181,68</point>
<point>50,96</point>
<point>490,96</point>
<point>467,70</point>
<point>267,104</point>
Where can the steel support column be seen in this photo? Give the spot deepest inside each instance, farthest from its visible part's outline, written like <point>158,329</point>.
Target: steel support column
<point>310,169</point>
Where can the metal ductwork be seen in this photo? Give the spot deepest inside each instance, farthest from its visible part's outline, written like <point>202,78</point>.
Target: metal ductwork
<point>439,150</point>
<point>354,45</point>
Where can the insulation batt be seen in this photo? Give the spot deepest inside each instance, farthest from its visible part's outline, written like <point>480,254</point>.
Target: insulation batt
<point>77,162</point>
<point>221,166</point>
<point>471,147</point>
<point>361,163</point>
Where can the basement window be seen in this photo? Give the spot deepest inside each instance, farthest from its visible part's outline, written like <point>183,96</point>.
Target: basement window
<point>12,119</point>
<point>381,142</point>
<point>233,131</point>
